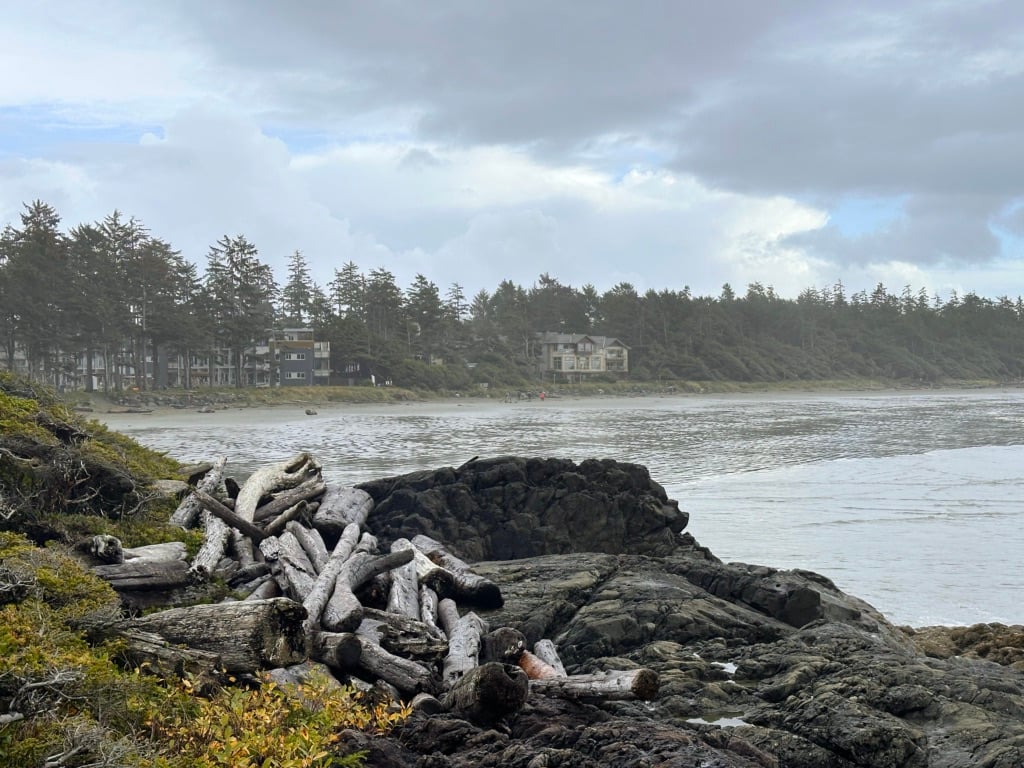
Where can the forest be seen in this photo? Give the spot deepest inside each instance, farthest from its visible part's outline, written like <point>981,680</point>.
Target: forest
<point>112,287</point>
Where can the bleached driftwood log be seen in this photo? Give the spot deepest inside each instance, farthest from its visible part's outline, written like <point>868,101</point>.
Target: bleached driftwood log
<point>145,575</point>
<point>403,636</point>
<point>488,692</point>
<point>280,522</point>
<point>289,564</point>
<point>276,477</point>
<point>215,541</point>
<point>467,585</point>
<point>546,651</point>
<point>610,686</point>
<point>404,595</point>
<point>406,675</point>
<point>322,588</point>
<point>447,615</point>
<point>340,650</point>
<point>242,546</point>
<point>247,635</point>
<point>341,507</point>
<point>463,647</point>
<point>215,507</point>
<point>152,653</point>
<point>268,589</point>
<point>344,612</point>
<point>165,552</point>
<point>311,542</point>
<point>187,512</point>
<point>289,497</point>
<point>428,610</point>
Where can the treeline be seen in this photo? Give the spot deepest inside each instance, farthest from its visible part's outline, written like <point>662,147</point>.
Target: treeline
<point>113,289</point>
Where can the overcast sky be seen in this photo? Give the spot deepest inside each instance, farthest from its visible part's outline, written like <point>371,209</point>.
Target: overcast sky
<point>665,143</point>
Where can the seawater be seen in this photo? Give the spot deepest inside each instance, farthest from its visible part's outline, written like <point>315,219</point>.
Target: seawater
<point>911,501</point>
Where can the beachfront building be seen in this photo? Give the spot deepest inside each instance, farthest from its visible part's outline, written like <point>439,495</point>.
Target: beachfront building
<point>289,357</point>
<point>574,357</point>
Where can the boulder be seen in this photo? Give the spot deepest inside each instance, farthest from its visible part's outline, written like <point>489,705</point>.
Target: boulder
<point>509,508</point>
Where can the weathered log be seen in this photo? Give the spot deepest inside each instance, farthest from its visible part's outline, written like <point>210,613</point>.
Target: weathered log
<point>438,578</point>
<point>151,653</point>
<point>287,498</point>
<point>463,648</point>
<point>340,650</point>
<point>280,522</point>
<point>248,634</point>
<point>242,546</point>
<point>504,645</point>
<point>403,636</point>
<point>246,588</point>
<point>106,549</point>
<point>408,676</point>
<point>285,474</point>
<point>322,588</point>
<point>610,686</point>
<point>428,610</point>
<point>268,589</point>
<point>215,541</point>
<point>404,596</point>
<point>488,693</point>
<point>145,575</point>
<point>214,507</point>
<point>546,651</point>
<point>311,542</point>
<point>168,550</point>
<point>536,668</point>
<point>248,573</point>
<point>341,507</point>
<point>289,563</point>
<point>185,515</point>
<point>448,615</point>
<point>344,612</point>
<point>467,585</point>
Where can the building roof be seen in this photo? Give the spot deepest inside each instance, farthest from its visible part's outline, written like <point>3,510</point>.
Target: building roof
<point>554,337</point>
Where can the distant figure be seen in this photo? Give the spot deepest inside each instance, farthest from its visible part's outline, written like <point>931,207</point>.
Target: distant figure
<point>541,395</point>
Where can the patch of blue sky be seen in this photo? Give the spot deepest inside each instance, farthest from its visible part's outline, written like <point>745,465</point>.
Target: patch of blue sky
<point>34,131</point>
<point>859,216</point>
<point>1008,227</point>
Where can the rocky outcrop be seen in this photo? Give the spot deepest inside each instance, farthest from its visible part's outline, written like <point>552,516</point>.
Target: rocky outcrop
<point>508,508</point>
<point>757,666</point>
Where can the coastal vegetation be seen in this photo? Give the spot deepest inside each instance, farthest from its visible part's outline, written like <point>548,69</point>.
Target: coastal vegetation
<point>67,700</point>
<point>113,288</point>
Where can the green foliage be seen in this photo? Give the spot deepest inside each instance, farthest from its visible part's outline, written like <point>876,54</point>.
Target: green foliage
<point>289,727</point>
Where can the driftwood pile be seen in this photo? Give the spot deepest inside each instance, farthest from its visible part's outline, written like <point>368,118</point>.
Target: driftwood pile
<point>313,591</point>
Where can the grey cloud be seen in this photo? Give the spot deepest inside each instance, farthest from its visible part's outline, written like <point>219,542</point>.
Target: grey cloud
<point>805,99</point>
<point>932,231</point>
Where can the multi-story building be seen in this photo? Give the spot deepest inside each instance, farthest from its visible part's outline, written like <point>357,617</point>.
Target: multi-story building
<point>574,356</point>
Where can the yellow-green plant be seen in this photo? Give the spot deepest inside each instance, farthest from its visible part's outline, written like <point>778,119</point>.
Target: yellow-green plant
<point>269,727</point>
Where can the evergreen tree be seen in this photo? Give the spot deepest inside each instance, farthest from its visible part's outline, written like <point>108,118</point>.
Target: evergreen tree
<point>348,289</point>
<point>241,291</point>
<point>297,294</point>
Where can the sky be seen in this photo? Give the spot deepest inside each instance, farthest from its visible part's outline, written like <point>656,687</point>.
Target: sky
<point>661,143</point>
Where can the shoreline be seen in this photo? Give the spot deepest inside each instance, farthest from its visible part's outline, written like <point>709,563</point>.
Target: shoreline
<point>115,415</point>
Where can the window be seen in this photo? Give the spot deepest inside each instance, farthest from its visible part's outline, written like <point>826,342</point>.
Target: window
<point>295,374</point>
<point>557,363</point>
<point>295,356</point>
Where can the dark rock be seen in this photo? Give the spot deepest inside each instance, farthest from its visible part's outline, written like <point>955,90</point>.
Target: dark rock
<point>757,666</point>
<point>510,508</point>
